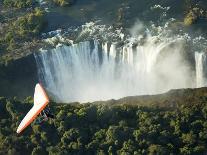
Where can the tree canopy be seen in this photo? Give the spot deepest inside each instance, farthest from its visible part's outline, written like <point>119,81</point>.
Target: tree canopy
<point>106,129</point>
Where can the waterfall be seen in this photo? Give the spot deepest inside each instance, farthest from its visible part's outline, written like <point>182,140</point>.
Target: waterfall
<point>90,70</point>
<point>201,61</point>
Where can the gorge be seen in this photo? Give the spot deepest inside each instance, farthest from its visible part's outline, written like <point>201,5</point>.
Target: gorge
<point>99,70</point>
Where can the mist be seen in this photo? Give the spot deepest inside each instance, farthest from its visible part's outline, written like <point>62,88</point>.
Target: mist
<point>147,63</point>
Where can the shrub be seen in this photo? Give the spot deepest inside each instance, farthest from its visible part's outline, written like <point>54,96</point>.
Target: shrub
<point>18,3</point>
<point>63,2</point>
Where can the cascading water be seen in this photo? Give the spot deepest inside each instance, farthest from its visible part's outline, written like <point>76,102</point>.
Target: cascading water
<point>201,62</point>
<point>90,70</point>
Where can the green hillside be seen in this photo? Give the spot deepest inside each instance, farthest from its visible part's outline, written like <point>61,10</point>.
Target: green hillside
<point>129,128</point>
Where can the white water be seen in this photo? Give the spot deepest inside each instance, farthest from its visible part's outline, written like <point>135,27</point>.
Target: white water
<point>94,71</point>
<point>201,61</point>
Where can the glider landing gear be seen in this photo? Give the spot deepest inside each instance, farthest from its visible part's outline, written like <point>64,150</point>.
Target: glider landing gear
<point>44,116</point>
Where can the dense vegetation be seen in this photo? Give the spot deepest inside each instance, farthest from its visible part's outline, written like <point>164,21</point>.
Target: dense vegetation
<point>21,23</point>
<point>18,3</point>
<point>23,29</point>
<point>108,129</point>
<point>195,11</point>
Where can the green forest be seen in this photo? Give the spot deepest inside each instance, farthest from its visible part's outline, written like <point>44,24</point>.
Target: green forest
<point>107,128</point>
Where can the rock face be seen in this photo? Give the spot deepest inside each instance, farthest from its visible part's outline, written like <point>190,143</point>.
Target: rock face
<point>18,77</point>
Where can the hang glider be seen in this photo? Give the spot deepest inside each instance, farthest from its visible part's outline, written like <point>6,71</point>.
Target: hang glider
<point>41,100</point>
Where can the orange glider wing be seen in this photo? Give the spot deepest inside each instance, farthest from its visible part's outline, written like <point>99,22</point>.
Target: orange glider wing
<point>40,102</point>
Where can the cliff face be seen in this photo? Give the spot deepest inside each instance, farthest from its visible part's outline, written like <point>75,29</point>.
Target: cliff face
<point>18,77</point>
<point>171,99</point>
